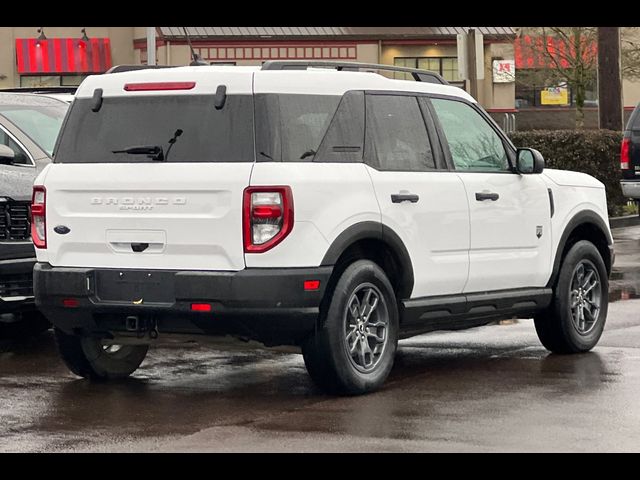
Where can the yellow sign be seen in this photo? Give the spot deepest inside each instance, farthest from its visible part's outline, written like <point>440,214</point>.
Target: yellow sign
<point>554,96</point>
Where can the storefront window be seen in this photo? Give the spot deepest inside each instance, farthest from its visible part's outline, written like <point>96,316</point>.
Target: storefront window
<point>447,67</point>
<point>36,81</point>
<point>72,80</point>
<point>544,88</point>
<point>39,81</point>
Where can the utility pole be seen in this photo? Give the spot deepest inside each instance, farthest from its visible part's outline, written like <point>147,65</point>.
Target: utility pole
<point>471,63</point>
<point>609,79</point>
<point>151,45</point>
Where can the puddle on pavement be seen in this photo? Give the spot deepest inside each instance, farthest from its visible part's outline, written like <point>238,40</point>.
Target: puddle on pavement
<point>624,285</point>
<point>618,294</point>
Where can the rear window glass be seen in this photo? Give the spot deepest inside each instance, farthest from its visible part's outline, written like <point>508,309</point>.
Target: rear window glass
<point>291,127</point>
<point>207,134</point>
<point>634,120</point>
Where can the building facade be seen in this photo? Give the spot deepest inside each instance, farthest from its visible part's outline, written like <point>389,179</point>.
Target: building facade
<point>34,56</point>
<point>61,55</point>
<point>65,55</point>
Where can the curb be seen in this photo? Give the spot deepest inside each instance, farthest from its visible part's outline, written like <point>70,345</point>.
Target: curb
<point>626,221</point>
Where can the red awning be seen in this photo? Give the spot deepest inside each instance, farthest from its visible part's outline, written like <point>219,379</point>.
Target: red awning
<point>63,55</point>
<point>530,52</point>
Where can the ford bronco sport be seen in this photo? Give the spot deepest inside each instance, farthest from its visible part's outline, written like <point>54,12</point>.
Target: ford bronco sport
<point>333,209</point>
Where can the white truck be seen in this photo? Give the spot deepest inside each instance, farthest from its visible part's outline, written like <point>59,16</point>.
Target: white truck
<point>294,204</point>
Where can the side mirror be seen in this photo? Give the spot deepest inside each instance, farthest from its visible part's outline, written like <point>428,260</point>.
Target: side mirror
<point>529,161</point>
<point>6,155</point>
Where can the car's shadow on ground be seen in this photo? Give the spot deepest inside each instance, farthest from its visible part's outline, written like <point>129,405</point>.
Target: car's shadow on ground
<point>41,344</point>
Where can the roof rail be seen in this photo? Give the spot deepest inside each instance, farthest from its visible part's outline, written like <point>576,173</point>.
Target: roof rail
<point>128,68</point>
<point>418,75</point>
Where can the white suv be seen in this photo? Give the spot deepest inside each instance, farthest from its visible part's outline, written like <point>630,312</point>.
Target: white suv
<point>334,209</point>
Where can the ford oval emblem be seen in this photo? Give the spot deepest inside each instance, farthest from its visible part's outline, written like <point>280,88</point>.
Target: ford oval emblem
<point>62,229</point>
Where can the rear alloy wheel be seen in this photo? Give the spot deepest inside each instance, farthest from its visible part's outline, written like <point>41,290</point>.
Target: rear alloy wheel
<point>575,319</point>
<point>366,323</point>
<point>88,357</point>
<point>352,351</point>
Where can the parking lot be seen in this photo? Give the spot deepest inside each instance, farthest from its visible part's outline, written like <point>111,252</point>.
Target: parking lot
<point>494,388</point>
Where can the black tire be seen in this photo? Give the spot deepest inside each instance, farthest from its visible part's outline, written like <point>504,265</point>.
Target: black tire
<point>24,325</point>
<point>556,327</point>
<point>86,357</point>
<point>325,352</point>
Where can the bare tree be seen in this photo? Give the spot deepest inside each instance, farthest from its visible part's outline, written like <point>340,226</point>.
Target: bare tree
<point>574,64</point>
<point>630,52</point>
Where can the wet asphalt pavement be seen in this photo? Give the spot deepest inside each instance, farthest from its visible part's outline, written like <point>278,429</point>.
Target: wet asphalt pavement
<point>493,388</point>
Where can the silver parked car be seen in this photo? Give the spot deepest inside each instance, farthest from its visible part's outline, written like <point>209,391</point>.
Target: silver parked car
<point>29,126</point>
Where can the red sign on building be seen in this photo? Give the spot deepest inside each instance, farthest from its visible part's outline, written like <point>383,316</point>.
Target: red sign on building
<point>63,55</point>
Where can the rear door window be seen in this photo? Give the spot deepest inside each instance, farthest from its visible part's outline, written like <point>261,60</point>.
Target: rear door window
<point>208,134</point>
<point>396,134</point>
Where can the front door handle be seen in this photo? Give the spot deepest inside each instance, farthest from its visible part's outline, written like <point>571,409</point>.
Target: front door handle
<point>404,197</point>
<point>481,196</point>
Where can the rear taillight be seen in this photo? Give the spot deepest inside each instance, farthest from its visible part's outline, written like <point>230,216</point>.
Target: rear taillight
<point>267,217</point>
<point>625,150</point>
<point>70,302</point>
<point>38,216</point>
<point>200,307</point>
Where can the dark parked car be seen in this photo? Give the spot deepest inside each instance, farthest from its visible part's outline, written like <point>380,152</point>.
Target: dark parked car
<point>29,126</point>
<point>630,157</point>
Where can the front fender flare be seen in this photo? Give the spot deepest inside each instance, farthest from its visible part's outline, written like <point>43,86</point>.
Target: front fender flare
<point>580,218</point>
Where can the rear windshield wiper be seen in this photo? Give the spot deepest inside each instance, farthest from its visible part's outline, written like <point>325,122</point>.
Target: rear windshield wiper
<point>154,152</point>
<point>308,153</point>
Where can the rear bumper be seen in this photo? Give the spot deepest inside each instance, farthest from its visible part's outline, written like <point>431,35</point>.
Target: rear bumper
<point>630,188</point>
<point>268,305</point>
<point>16,285</point>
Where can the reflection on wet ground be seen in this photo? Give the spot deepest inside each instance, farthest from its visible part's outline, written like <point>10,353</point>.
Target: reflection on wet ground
<point>491,388</point>
<point>485,389</point>
<point>624,285</point>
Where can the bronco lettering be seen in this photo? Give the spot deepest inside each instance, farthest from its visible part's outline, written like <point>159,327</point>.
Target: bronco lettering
<point>138,203</point>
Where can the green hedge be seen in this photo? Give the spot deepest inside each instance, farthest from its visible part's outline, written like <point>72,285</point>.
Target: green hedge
<point>595,152</point>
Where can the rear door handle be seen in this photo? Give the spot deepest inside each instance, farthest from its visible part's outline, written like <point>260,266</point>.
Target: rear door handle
<point>481,196</point>
<point>404,197</point>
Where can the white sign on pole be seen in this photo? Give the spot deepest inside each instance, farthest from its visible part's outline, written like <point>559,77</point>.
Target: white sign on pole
<point>504,71</point>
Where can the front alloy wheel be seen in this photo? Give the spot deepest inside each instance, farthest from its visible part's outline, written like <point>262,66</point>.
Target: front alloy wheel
<point>585,296</point>
<point>575,319</point>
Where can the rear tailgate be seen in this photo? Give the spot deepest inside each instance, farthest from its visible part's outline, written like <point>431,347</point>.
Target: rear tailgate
<point>126,208</point>
<point>164,216</point>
